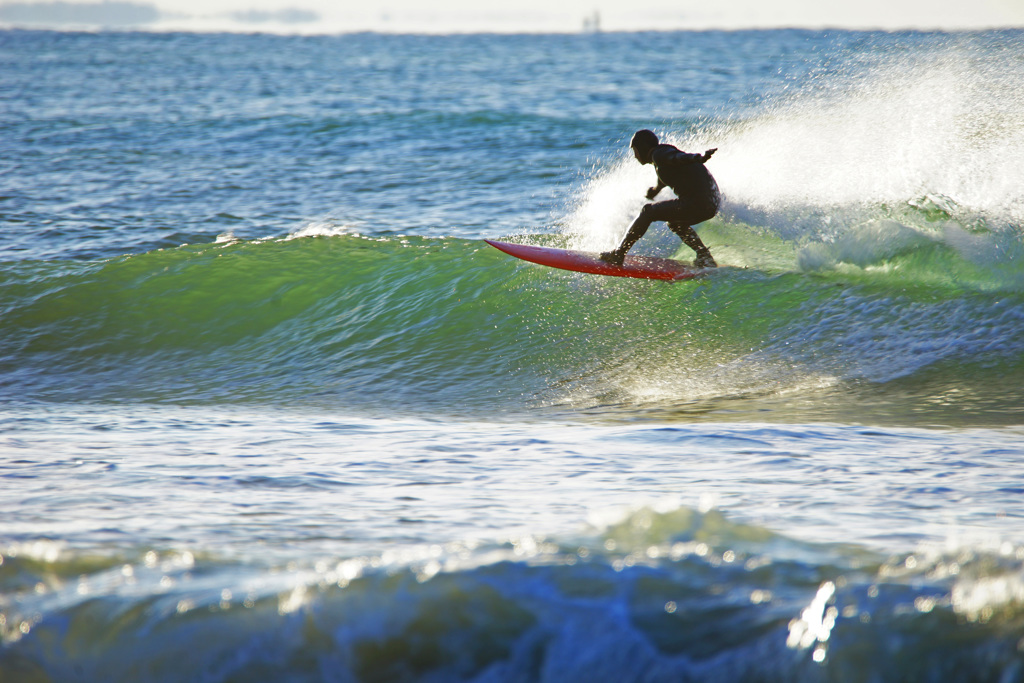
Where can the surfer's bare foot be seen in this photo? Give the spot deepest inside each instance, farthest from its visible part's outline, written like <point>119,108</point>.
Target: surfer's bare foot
<point>705,261</point>
<point>613,257</point>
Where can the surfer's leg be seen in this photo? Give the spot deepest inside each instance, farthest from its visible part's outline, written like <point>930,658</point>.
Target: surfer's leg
<point>687,212</point>
<point>641,223</point>
<point>690,238</point>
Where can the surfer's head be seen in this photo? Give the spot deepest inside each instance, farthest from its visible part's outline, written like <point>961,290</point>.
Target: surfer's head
<point>643,142</point>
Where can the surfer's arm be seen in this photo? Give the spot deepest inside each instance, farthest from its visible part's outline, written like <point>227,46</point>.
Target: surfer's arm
<point>653,192</point>
<point>667,156</point>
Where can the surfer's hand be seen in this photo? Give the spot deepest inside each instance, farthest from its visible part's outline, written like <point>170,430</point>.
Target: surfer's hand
<point>707,154</point>
<point>653,192</point>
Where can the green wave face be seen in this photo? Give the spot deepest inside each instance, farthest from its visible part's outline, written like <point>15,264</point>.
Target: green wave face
<point>455,327</point>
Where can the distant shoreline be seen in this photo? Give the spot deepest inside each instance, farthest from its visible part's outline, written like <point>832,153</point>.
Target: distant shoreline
<point>126,15</point>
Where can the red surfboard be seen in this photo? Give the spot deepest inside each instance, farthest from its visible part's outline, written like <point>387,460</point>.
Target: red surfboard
<point>643,267</point>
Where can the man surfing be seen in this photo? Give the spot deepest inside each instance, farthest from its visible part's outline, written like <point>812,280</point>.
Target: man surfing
<point>698,197</point>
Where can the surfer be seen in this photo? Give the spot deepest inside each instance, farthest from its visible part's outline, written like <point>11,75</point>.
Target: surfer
<point>698,197</point>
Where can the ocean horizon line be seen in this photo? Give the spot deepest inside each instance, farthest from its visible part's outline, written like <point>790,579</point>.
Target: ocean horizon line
<point>126,15</point>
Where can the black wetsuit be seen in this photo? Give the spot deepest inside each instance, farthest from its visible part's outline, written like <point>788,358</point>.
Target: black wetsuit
<point>698,199</point>
<point>689,178</point>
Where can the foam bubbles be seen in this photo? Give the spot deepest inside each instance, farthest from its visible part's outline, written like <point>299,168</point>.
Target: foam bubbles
<point>322,229</point>
<point>864,245</point>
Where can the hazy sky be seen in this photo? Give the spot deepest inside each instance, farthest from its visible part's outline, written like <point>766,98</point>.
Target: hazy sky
<point>653,13</point>
<point>569,15</point>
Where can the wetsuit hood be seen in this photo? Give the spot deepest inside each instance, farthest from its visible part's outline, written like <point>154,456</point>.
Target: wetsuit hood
<point>642,144</point>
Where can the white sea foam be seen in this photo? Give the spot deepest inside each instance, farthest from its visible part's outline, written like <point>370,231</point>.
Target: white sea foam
<point>322,229</point>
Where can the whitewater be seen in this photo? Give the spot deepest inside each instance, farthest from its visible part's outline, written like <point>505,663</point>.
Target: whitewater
<point>270,408</point>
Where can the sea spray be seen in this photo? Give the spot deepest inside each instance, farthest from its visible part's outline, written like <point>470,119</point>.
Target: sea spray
<point>869,158</point>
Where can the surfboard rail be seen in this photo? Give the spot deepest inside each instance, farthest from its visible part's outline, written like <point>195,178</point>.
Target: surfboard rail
<point>642,267</point>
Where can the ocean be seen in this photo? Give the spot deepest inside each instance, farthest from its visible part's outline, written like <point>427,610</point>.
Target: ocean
<point>271,410</point>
